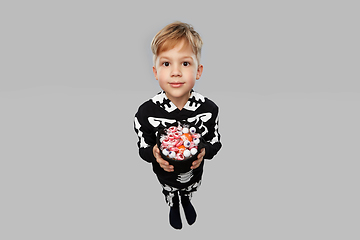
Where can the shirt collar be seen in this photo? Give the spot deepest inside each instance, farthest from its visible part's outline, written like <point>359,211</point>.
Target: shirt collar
<point>194,102</point>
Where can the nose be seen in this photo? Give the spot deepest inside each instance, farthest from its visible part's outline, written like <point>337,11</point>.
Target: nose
<point>175,72</point>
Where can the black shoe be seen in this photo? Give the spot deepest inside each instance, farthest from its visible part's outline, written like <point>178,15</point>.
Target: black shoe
<point>189,209</point>
<point>174,215</point>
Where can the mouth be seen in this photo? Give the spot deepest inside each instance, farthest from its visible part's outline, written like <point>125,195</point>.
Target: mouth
<point>176,84</point>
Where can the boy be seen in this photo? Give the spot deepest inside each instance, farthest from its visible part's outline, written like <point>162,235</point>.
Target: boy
<point>176,50</point>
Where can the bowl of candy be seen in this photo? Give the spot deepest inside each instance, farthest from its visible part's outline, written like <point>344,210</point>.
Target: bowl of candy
<point>180,145</point>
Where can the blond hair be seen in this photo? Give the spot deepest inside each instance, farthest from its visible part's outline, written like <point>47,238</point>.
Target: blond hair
<point>174,33</point>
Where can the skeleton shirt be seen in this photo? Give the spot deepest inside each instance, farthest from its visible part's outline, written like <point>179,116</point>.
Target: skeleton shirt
<point>161,112</point>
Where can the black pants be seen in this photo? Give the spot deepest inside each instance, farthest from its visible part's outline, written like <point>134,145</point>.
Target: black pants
<point>170,192</point>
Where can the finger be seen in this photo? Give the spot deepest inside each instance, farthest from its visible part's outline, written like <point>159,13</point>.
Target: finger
<point>156,152</point>
<point>194,167</point>
<point>195,164</point>
<point>201,154</point>
<point>165,165</point>
<point>162,162</point>
<point>169,168</point>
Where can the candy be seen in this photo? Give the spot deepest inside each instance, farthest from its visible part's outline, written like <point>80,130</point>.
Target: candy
<point>172,154</point>
<point>180,156</point>
<point>175,142</point>
<point>181,148</point>
<point>187,143</point>
<point>163,138</point>
<point>172,129</point>
<point>187,153</point>
<point>196,135</point>
<point>172,143</point>
<point>186,136</point>
<point>193,151</point>
<point>165,142</point>
<point>179,142</point>
<point>174,149</point>
<point>165,152</point>
<point>177,135</point>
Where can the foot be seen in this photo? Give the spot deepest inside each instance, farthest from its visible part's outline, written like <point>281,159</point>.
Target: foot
<point>174,217</point>
<point>189,210</point>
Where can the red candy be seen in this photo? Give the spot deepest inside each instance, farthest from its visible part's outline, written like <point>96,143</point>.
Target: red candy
<point>172,129</point>
<point>178,140</point>
<point>180,143</point>
<point>180,156</point>
<point>177,135</point>
<point>174,149</point>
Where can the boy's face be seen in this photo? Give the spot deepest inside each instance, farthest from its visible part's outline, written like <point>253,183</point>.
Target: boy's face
<point>177,70</point>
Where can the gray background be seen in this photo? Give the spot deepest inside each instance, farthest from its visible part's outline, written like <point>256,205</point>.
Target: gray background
<point>285,76</point>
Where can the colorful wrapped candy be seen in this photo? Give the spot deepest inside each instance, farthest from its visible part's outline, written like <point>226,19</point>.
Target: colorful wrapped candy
<point>179,143</point>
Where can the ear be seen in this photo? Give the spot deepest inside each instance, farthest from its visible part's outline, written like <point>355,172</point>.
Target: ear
<point>199,71</point>
<point>155,72</point>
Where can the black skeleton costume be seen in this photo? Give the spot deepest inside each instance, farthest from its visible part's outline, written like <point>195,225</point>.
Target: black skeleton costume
<point>161,112</point>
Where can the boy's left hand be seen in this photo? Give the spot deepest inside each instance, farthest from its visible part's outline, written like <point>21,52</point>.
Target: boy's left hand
<point>197,162</point>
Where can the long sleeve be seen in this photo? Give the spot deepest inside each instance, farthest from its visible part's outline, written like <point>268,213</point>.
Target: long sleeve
<point>213,144</point>
<point>146,139</point>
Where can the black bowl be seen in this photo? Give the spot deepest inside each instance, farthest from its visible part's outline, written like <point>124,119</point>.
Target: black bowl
<point>180,166</point>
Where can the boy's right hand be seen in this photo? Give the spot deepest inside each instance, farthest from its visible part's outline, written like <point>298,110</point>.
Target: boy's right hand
<point>164,164</point>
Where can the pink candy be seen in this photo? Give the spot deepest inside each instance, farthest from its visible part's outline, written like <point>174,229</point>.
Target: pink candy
<point>196,135</point>
<point>172,129</point>
<point>177,135</point>
<point>180,156</point>
<point>174,149</point>
<point>180,142</point>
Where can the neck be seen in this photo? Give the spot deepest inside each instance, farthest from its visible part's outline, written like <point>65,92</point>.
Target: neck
<point>179,102</point>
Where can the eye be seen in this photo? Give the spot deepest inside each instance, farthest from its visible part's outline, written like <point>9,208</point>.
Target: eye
<point>186,64</point>
<point>166,64</point>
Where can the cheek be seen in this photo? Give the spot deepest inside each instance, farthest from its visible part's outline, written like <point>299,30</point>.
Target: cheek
<point>162,78</point>
<point>191,75</point>
<point>160,75</point>
<point>163,75</point>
